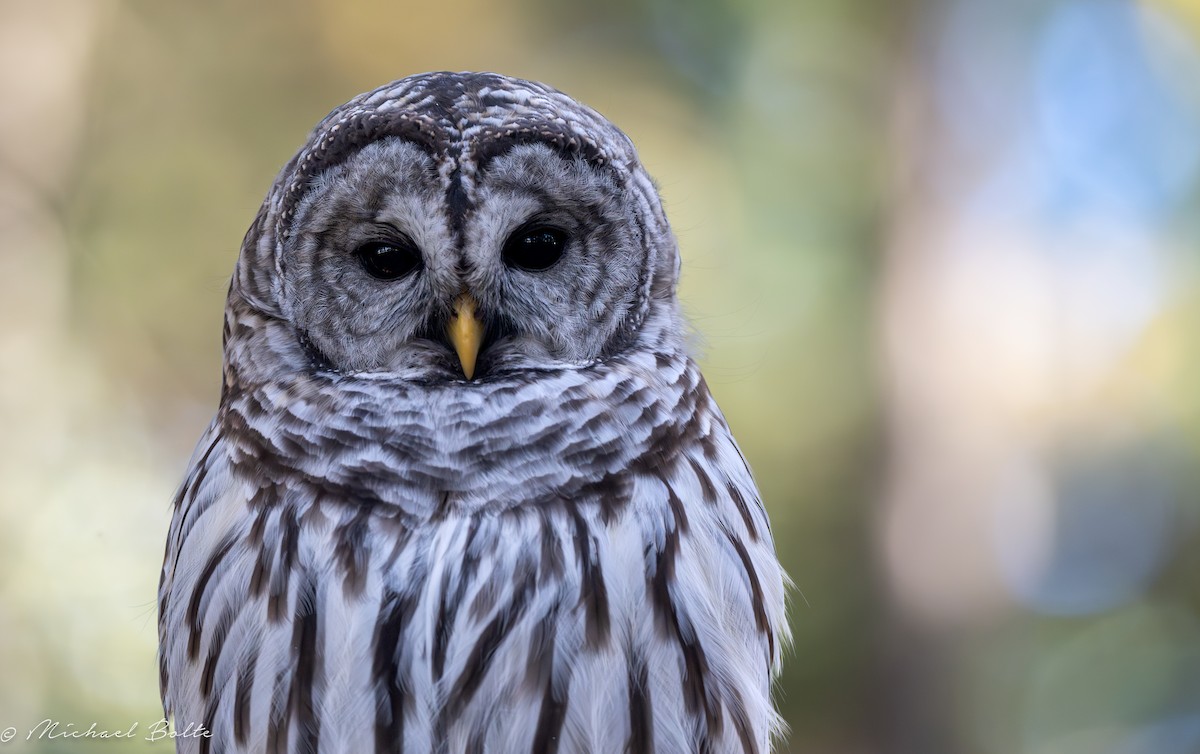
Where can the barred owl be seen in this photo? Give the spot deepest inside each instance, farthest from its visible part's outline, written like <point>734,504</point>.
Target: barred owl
<point>465,490</point>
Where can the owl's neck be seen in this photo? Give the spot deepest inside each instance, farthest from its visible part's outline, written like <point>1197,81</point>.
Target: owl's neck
<point>419,447</point>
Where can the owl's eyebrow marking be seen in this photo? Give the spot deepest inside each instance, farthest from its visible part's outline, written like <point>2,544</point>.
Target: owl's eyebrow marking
<point>459,202</point>
<point>567,146</point>
<point>341,145</point>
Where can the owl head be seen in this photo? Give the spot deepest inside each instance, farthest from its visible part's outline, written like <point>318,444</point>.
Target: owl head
<point>451,227</point>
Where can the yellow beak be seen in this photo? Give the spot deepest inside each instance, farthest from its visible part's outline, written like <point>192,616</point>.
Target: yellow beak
<point>466,333</point>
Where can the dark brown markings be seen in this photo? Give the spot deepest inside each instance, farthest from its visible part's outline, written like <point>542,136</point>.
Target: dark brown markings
<point>399,536</point>
<point>641,709</point>
<point>476,743</point>
<point>739,500</point>
<point>308,667</point>
<point>317,360</point>
<point>756,594</point>
<point>570,146</point>
<point>484,651</point>
<point>610,493</point>
<point>447,612</point>
<point>695,663</point>
<point>336,147</point>
<point>550,564</point>
<point>280,714</point>
<point>664,566</point>
<point>278,595</point>
<point>695,675</point>
<point>708,444</point>
<point>258,576</point>
<point>448,604</point>
<point>254,538</point>
<point>750,475</point>
<point>395,612</point>
<point>210,720</point>
<point>458,204</point>
<point>678,510</point>
<point>485,597</point>
<point>215,644</point>
<point>541,674</point>
<point>660,583</point>
<point>615,493</point>
<point>202,469</point>
<point>164,676</point>
<point>193,611</point>
<point>241,698</point>
<point>350,552</point>
<point>737,713</point>
<point>187,492</point>
<point>548,734</point>
<point>259,457</point>
<point>706,484</point>
<point>198,477</point>
<point>541,650</point>
<point>593,594</point>
<point>668,439</point>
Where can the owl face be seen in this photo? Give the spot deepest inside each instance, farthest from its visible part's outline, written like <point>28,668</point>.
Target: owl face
<point>380,259</point>
<point>453,228</point>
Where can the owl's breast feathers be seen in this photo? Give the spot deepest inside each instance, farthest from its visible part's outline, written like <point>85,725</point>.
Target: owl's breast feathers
<point>578,562</point>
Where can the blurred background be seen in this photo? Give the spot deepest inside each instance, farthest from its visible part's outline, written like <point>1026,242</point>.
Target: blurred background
<point>941,257</point>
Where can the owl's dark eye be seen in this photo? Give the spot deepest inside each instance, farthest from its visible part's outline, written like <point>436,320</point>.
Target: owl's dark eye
<point>388,261</point>
<point>535,249</point>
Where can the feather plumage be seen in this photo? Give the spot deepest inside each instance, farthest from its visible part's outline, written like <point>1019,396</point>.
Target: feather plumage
<point>567,556</point>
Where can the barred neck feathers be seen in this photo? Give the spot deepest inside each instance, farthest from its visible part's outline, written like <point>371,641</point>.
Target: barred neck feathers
<point>489,445</point>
